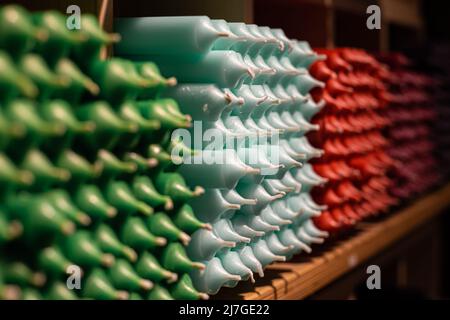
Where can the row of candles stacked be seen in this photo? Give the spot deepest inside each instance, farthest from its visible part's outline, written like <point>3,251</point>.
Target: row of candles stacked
<point>89,207</point>
<point>247,90</point>
<point>355,160</point>
<point>413,117</point>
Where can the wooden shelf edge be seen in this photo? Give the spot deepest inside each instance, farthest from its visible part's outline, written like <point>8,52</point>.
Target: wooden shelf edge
<point>298,280</point>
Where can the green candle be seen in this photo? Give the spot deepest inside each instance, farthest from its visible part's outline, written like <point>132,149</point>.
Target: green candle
<point>82,250</point>
<point>135,234</point>
<point>184,290</point>
<point>89,199</point>
<point>148,267</point>
<point>13,82</point>
<point>78,83</point>
<point>175,259</point>
<point>165,111</point>
<point>156,82</point>
<point>59,291</point>
<point>144,190</point>
<point>159,293</point>
<point>60,199</point>
<point>19,273</point>
<point>118,194</point>
<point>108,125</point>
<point>164,158</point>
<point>123,277</point>
<point>39,216</point>
<point>109,243</point>
<point>24,113</point>
<point>93,39</point>
<point>110,167</point>
<point>9,230</point>
<point>186,220</point>
<point>161,225</point>
<point>17,33</point>
<point>80,169</point>
<point>118,80</point>
<point>97,286</point>
<point>10,175</point>
<point>44,172</point>
<point>33,66</point>
<point>60,39</point>
<point>52,261</point>
<point>31,294</point>
<point>174,186</point>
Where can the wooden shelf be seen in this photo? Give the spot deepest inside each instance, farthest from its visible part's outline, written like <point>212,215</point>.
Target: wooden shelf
<point>305,275</point>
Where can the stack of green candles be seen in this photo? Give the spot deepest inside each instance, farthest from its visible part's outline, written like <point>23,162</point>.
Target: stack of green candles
<point>251,85</point>
<point>90,204</point>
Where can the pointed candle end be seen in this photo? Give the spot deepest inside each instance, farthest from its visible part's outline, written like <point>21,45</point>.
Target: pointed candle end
<point>171,277</point>
<point>235,278</point>
<point>114,37</point>
<point>207,226</point>
<point>261,100</point>
<point>169,204</point>
<point>251,73</point>
<point>233,206</point>
<point>122,295</point>
<point>152,162</point>
<point>68,228</point>
<point>171,82</point>
<point>131,254</point>
<point>161,242</point>
<point>146,284</point>
<point>111,212</point>
<point>39,279</point>
<point>261,273</point>
<point>15,229</point>
<point>184,238</point>
<point>198,191</point>
<point>108,260</point>
<point>84,219</point>
<point>203,296</point>
<point>198,265</point>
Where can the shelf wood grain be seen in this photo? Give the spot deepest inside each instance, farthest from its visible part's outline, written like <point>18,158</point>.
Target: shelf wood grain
<point>305,275</point>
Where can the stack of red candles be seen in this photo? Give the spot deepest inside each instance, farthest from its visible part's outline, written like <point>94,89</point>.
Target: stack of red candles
<point>355,160</point>
<point>412,113</point>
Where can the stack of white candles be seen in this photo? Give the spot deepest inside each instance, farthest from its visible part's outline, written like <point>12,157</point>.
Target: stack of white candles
<point>247,90</point>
